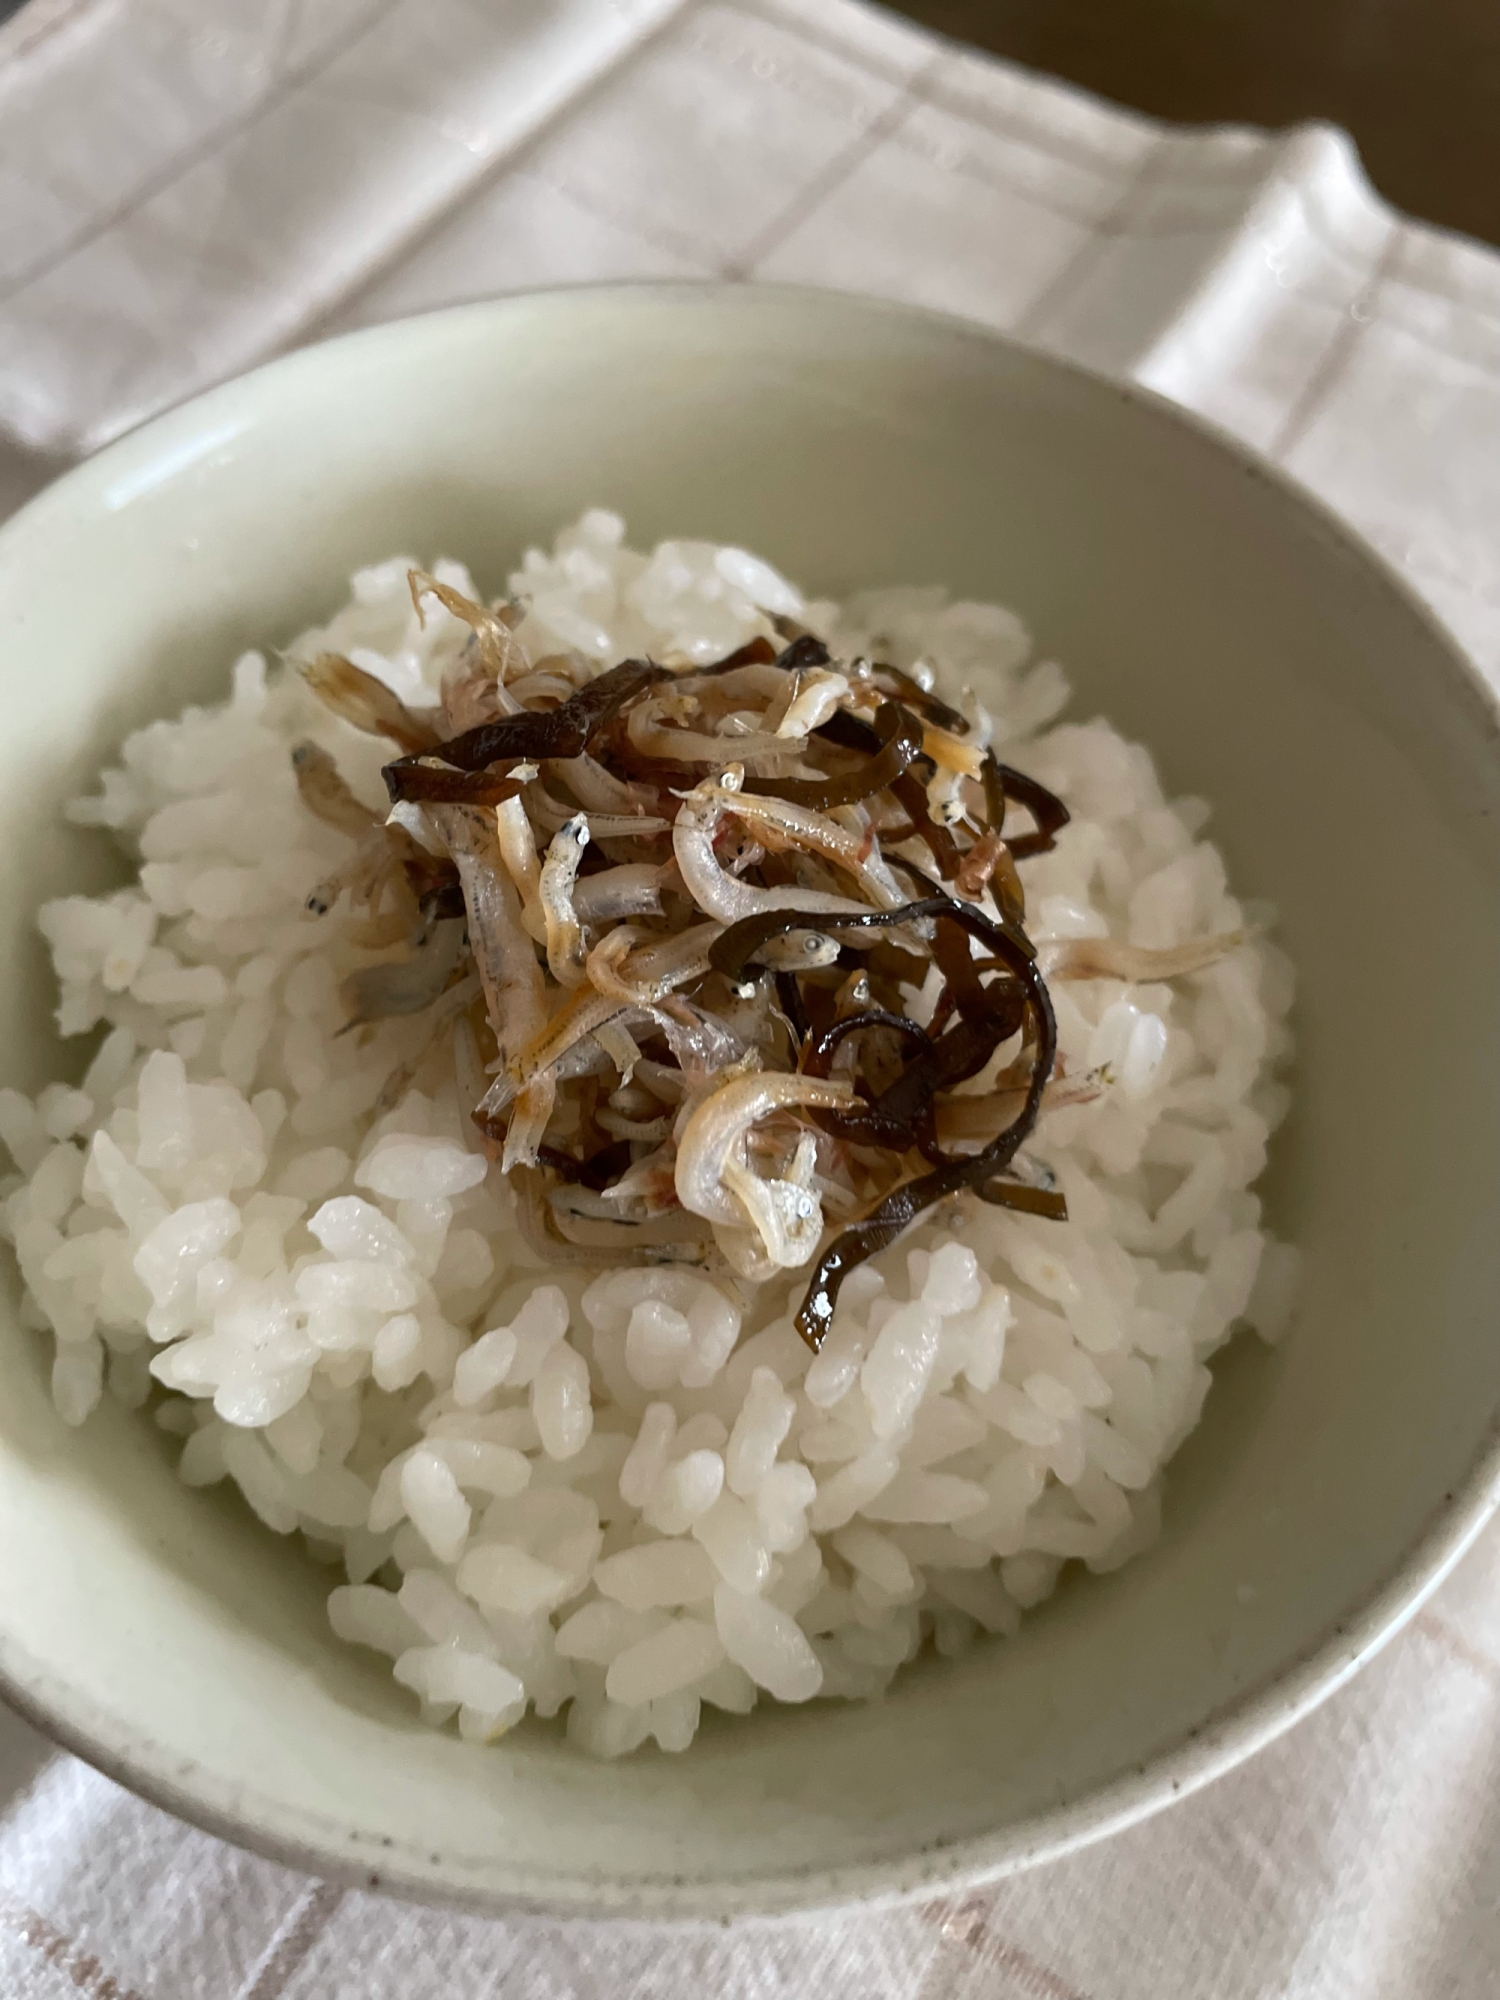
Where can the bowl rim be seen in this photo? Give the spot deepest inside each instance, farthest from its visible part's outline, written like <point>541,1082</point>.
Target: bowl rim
<point>170,441</point>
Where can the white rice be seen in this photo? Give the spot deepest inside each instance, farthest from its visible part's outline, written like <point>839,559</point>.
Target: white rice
<point>626,1494</point>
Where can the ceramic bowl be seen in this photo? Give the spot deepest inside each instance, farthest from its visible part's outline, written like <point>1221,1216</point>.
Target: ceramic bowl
<point>1211,610</point>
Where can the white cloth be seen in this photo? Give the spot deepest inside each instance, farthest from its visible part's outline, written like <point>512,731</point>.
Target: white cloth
<point>187,185</point>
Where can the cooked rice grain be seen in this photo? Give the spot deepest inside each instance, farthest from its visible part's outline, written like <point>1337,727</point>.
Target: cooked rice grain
<point>631,1493</point>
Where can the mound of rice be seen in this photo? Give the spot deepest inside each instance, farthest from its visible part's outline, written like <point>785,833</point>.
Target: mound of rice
<point>631,1493</point>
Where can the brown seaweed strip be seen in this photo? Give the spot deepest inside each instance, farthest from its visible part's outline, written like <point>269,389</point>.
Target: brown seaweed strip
<point>623,760</point>
<point>818,1056</point>
<point>1005,939</point>
<point>913,692</point>
<point>904,1204</point>
<point>536,734</point>
<point>889,961</point>
<point>992,983</point>
<point>805,650</point>
<point>1045,807</point>
<point>900,740</point>
<point>925,884</point>
<point>757,652</point>
<point>903,1130</point>
<point>963,1050</point>
<point>849,732</point>
<point>911,795</point>
<point>950,950</point>
<point>1026,1200</point>
<point>789,999</point>
<point>420,783</point>
<point>865,1124</point>
<point>1001,1001</point>
<point>902,1118</point>
<point>994,792</point>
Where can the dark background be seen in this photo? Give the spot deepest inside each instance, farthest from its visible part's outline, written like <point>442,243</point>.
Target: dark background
<point>1417,82</point>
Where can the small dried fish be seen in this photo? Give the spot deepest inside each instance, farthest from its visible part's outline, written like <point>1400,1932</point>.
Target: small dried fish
<point>327,795</point>
<point>755,989</point>
<point>555,893</point>
<point>1111,958</point>
<point>404,986</point>
<point>366,702</point>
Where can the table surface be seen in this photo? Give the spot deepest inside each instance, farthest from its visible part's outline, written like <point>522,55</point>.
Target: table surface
<point>1417,82</point>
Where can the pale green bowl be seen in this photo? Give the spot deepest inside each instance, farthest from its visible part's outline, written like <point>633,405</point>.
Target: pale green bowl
<point>1211,610</point>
